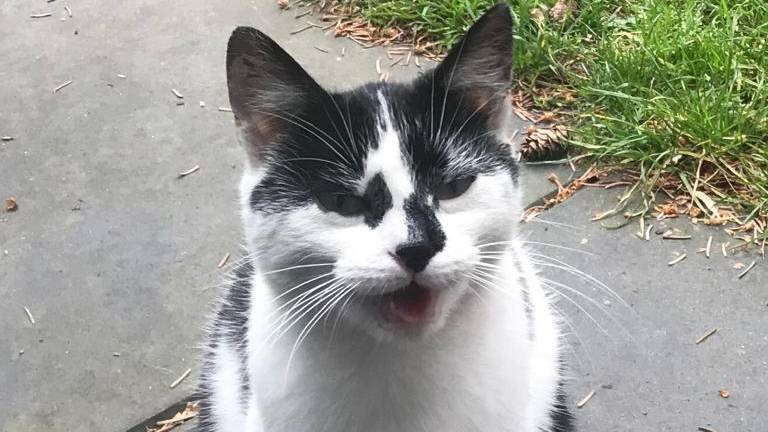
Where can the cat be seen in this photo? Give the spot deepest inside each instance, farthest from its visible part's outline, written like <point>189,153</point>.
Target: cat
<point>384,289</point>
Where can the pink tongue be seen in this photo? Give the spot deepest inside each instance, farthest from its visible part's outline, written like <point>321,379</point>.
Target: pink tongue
<point>411,305</point>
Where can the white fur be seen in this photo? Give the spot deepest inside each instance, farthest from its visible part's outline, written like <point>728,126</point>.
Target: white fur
<point>474,368</point>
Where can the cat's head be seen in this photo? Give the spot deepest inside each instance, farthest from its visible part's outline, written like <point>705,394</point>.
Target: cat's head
<point>387,194</point>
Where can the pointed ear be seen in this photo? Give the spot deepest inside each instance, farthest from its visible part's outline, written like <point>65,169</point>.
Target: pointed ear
<point>268,89</point>
<point>480,64</point>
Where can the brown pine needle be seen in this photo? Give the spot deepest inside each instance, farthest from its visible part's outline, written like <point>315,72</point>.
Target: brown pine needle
<point>61,86</point>
<point>725,249</point>
<point>709,247</point>
<point>223,261</point>
<point>297,31</point>
<point>181,378</point>
<point>192,170</point>
<point>586,399</point>
<point>675,237</point>
<point>177,94</point>
<point>677,260</point>
<point>69,10</point>
<point>378,65</point>
<point>746,270</point>
<point>648,232</point>
<point>706,336</point>
<point>321,49</point>
<point>7,138</point>
<point>29,315</point>
<point>42,15</point>
<point>394,63</point>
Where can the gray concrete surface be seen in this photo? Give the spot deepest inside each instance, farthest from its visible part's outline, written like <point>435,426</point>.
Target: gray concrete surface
<point>114,255</point>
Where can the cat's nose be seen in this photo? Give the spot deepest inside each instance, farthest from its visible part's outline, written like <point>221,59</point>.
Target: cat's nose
<point>415,255</point>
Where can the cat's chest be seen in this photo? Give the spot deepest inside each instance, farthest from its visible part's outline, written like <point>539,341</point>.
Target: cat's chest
<point>470,382</point>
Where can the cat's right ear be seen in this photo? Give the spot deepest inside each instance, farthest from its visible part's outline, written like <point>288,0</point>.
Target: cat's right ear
<point>268,90</point>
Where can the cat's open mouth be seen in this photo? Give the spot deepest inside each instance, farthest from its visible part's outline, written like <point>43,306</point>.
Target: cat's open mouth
<point>413,304</point>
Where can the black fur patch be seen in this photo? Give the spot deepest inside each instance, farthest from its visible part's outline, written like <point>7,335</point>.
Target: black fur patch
<point>231,325</point>
<point>562,419</point>
<point>379,200</point>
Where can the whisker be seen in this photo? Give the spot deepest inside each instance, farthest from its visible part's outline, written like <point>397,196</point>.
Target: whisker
<point>592,301</point>
<point>578,306</point>
<point>296,267</point>
<point>576,272</point>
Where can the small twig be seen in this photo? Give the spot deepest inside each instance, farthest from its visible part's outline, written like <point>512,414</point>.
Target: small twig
<point>706,336</point>
<point>322,49</point>
<point>398,60</point>
<point>408,58</point>
<point>69,11</point>
<point>297,31</point>
<point>121,76</point>
<point>378,65</point>
<point>61,86</point>
<point>225,109</point>
<point>648,232</point>
<point>305,13</point>
<point>29,315</point>
<point>343,51</point>
<point>310,23</point>
<point>189,171</point>
<point>42,15</point>
<point>416,60</point>
<point>724,246</point>
<point>7,138</point>
<point>677,260</point>
<point>708,252</point>
<point>177,94</point>
<point>223,261</point>
<point>746,270</point>
<point>586,399</point>
<point>181,378</point>
<point>705,429</point>
<point>675,237</point>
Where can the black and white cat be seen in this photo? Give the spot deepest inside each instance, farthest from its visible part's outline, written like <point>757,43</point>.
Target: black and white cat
<point>384,289</point>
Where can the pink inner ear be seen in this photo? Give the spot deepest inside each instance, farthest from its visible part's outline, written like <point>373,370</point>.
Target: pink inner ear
<point>260,132</point>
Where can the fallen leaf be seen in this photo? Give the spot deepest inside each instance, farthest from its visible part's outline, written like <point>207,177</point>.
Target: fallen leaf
<point>738,266</point>
<point>11,204</point>
<point>282,4</point>
<point>668,209</point>
<point>725,394</point>
<point>190,411</point>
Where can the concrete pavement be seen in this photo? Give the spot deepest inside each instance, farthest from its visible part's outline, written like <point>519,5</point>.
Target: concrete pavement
<point>116,258</point>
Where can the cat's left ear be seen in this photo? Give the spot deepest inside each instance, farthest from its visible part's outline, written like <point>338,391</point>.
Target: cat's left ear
<point>480,64</point>
<point>268,90</point>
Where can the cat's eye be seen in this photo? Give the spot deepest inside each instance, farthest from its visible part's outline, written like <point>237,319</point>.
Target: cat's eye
<point>342,203</point>
<point>454,188</point>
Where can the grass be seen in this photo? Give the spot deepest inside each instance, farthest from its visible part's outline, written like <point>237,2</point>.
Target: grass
<point>672,89</point>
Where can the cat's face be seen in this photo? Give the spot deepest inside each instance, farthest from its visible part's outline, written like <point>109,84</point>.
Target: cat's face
<point>378,201</point>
